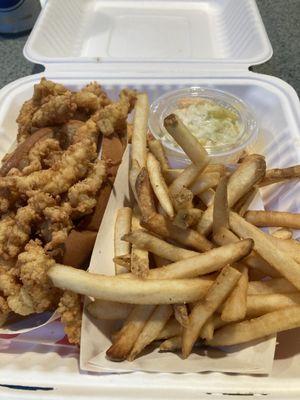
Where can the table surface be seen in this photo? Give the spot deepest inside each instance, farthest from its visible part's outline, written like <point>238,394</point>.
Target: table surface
<point>281,19</point>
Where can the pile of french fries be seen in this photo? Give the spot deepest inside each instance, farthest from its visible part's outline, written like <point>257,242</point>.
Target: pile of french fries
<point>192,266</point>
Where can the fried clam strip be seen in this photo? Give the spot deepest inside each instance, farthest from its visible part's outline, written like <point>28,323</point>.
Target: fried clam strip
<point>112,118</point>
<point>18,234</point>
<point>46,88</point>
<point>251,171</point>
<point>44,152</point>
<point>56,227</point>
<point>82,195</point>
<point>91,98</point>
<point>70,311</point>
<point>72,166</point>
<point>81,201</point>
<point>24,120</point>
<point>15,158</point>
<point>4,310</point>
<point>42,92</point>
<point>57,110</point>
<point>36,294</point>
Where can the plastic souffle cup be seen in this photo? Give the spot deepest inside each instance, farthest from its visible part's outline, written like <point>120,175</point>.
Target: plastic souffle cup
<point>226,153</point>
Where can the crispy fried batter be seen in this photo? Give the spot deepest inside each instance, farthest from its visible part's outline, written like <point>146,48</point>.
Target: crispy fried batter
<point>56,228</point>
<point>36,294</point>
<point>43,151</point>
<point>96,89</point>
<point>24,120</point>
<point>46,88</point>
<point>57,110</point>
<point>9,284</point>
<point>15,234</point>
<point>72,166</point>
<point>70,310</point>
<point>82,195</point>
<point>53,181</point>
<point>112,118</point>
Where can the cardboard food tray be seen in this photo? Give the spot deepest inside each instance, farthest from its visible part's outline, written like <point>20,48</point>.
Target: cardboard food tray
<point>157,46</point>
<point>256,358</point>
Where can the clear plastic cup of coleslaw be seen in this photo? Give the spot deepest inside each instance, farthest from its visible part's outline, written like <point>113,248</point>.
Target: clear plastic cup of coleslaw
<point>223,123</point>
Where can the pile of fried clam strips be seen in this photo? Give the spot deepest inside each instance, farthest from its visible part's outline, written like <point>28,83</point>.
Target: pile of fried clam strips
<point>51,185</point>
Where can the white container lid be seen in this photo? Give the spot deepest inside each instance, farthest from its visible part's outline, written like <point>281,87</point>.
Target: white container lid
<point>148,36</point>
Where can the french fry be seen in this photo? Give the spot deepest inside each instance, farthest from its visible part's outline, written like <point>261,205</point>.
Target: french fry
<point>273,218</point>
<point>159,185</point>
<point>144,240</point>
<point>187,217</point>
<point>186,237</point>
<point>139,257</point>
<point>122,226</point>
<point>102,309</point>
<point>140,128</point>
<point>264,303</point>
<point>201,264</point>
<point>171,344</point>
<point>213,323</point>
<point>272,286</point>
<point>185,179</point>
<point>281,261</point>
<point>153,326</point>
<point>128,335</point>
<point>144,194</point>
<point>283,233</point>
<point>158,151</point>
<point>257,328</point>
<point>201,312</point>
<point>280,174</point>
<point>181,314</point>
<point>131,291</point>
<point>133,175</point>
<point>172,328</point>
<point>160,261</point>
<point>183,199</point>
<point>253,260</point>
<point>235,307</point>
<point>172,173</point>
<point>240,182</point>
<point>207,332</point>
<point>220,207</point>
<point>243,204</point>
<point>181,196</point>
<point>123,261</point>
<point>290,246</point>
<point>207,197</point>
<point>205,181</point>
<point>190,145</point>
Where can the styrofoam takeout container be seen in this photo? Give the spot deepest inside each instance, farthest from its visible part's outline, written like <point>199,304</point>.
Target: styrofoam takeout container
<point>157,46</point>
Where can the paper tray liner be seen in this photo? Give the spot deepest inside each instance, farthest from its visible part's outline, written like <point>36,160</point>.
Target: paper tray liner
<point>254,358</point>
